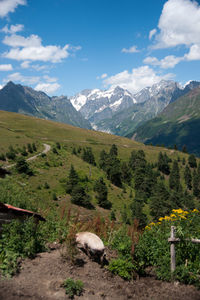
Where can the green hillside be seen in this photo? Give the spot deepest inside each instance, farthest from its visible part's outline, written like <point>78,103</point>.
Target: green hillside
<point>178,124</point>
<point>89,181</point>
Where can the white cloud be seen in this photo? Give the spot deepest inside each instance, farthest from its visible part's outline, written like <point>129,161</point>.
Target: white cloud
<point>15,40</point>
<point>5,67</point>
<point>1,86</point>
<point>7,6</point>
<point>13,28</point>
<point>21,78</point>
<point>31,49</point>
<point>132,49</point>
<point>152,33</point>
<point>179,24</point>
<point>104,76</point>
<point>50,79</point>
<point>167,62</point>
<point>48,88</point>
<point>194,53</point>
<point>25,64</point>
<point>136,80</point>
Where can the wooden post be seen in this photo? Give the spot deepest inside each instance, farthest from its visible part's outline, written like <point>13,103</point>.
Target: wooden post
<point>172,249</point>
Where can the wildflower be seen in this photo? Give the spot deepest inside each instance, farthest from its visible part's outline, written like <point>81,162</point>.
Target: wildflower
<point>195,210</point>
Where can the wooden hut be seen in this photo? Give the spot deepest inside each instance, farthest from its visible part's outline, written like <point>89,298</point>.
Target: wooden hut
<point>9,212</point>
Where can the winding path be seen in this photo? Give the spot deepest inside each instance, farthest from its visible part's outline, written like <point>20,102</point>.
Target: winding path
<point>46,149</point>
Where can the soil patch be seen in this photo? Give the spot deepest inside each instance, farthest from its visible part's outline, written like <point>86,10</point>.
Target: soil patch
<point>42,277</point>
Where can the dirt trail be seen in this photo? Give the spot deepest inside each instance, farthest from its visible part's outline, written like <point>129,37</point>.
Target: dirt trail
<point>41,279</point>
<point>46,149</point>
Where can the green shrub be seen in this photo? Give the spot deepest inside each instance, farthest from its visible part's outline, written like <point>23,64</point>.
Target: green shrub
<point>73,287</point>
<point>121,267</point>
<point>153,248</point>
<point>22,166</point>
<point>19,240</point>
<point>2,157</point>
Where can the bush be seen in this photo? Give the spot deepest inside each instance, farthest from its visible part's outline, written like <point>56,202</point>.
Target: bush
<point>22,166</point>
<point>2,157</point>
<point>73,287</point>
<point>19,240</point>
<point>121,267</point>
<point>153,247</point>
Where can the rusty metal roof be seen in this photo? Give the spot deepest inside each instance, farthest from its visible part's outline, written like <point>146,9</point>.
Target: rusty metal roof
<point>7,207</point>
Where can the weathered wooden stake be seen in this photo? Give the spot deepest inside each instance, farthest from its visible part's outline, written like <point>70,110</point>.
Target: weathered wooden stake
<point>172,248</point>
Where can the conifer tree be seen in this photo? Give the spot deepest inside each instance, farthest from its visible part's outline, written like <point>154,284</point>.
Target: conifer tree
<point>136,208</point>
<point>30,148</point>
<point>159,201</point>
<point>102,194</point>
<point>73,180</point>
<point>196,184</point>
<point>192,161</point>
<point>188,177</point>
<point>163,163</point>
<point>184,149</point>
<point>88,156</point>
<point>103,160</point>
<point>187,201</point>
<point>113,151</point>
<point>80,197</point>
<point>126,173</point>
<point>174,179</point>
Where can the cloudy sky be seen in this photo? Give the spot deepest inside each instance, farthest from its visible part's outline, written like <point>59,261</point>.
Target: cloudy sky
<point>65,46</point>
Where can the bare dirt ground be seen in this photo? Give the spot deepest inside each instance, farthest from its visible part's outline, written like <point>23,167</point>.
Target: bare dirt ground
<point>42,277</point>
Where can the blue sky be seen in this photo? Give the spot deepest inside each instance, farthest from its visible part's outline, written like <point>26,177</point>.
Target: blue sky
<point>65,46</point>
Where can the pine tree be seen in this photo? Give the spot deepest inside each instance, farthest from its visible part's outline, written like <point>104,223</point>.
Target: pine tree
<point>113,151</point>
<point>30,149</point>
<point>88,156</point>
<point>80,197</point>
<point>188,177</point>
<point>137,159</point>
<point>73,180</point>
<point>114,172</point>
<point>192,161</point>
<point>34,147</point>
<point>174,179</point>
<point>22,166</point>
<point>196,184</point>
<point>102,194</point>
<point>103,160</point>
<point>159,201</point>
<point>184,149</point>
<point>126,173</point>
<point>136,208</point>
<point>163,163</point>
<point>175,199</point>
<point>187,201</point>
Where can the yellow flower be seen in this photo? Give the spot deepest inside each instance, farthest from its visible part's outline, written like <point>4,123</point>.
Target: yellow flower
<point>195,210</point>
<point>167,218</point>
<point>160,219</point>
<point>173,216</point>
<point>152,224</point>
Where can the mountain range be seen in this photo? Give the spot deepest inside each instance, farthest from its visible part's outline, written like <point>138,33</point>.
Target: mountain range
<point>178,123</point>
<point>25,100</point>
<point>119,112</point>
<point>164,113</point>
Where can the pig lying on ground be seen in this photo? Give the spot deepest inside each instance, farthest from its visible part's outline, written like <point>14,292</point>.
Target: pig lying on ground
<point>92,245</point>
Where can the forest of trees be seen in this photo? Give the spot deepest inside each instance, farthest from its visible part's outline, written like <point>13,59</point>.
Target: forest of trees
<point>159,186</point>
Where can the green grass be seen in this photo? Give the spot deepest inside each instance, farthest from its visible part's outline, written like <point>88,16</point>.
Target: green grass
<point>18,130</point>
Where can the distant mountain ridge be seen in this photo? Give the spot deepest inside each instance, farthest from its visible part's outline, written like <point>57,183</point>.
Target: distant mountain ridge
<point>119,112</point>
<point>178,123</point>
<point>25,100</point>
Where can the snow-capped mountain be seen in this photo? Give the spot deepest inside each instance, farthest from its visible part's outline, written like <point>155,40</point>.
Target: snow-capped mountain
<point>119,112</point>
<point>97,104</point>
